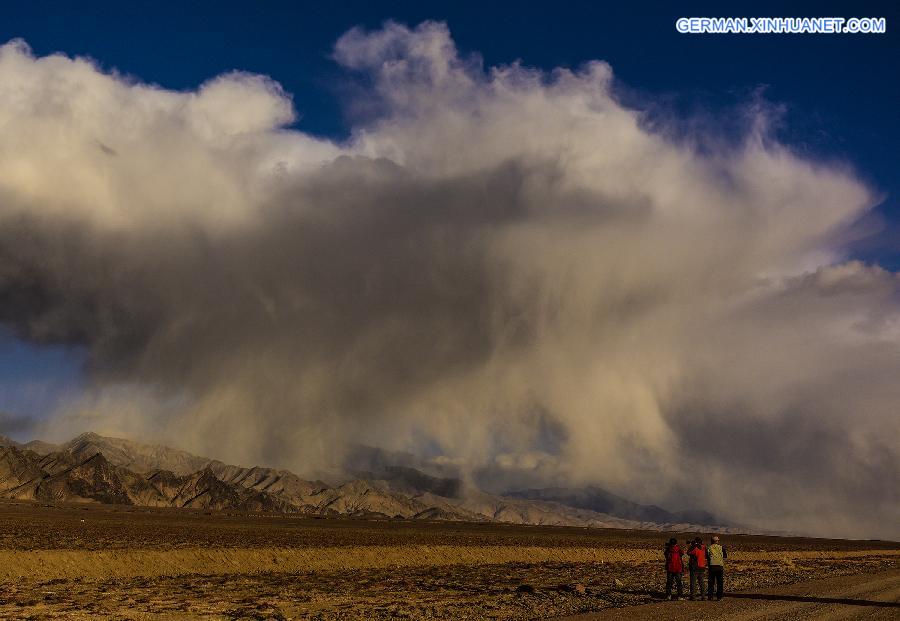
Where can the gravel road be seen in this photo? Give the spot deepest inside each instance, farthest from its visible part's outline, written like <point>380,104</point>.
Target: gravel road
<point>860,596</point>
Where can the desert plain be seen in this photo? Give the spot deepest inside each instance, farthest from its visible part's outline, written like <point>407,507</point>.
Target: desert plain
<point>91,561</point>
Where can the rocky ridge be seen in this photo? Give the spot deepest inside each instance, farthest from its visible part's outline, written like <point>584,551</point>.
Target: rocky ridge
<point>94,468</point>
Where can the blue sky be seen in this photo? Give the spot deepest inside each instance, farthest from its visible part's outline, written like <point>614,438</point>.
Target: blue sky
<point>840,93</point>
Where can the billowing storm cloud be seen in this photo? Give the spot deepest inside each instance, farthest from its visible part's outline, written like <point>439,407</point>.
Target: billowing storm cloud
<point>500,267</point>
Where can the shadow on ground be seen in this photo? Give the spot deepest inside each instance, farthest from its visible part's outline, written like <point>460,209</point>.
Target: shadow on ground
<point>815,600</point>
<point>659,595</point>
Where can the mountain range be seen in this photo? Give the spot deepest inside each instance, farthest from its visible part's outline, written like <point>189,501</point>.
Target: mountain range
<point>376,484</point>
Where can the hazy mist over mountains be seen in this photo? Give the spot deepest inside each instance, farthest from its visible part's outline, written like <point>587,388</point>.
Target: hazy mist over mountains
<point>94,468</point>
<point>503,271</point>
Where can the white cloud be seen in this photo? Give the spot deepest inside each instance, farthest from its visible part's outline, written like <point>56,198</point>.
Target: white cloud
<point>501,262</point>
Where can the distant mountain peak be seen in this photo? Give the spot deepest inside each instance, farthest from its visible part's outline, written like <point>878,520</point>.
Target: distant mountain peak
<point>595,498</point>
<point>96,468</point>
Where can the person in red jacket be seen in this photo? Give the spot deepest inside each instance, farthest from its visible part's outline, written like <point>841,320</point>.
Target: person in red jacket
<point>674,568</point>
<point>697,566</point>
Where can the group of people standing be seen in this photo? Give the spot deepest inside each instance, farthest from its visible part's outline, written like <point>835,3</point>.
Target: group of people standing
<point>701,560</point>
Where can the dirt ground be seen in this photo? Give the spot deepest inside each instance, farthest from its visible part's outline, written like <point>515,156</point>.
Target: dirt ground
<point>101,562</point>
<point>870,596</point>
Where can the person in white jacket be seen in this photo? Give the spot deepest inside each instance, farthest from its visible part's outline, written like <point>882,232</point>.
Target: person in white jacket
<point>715,559</point>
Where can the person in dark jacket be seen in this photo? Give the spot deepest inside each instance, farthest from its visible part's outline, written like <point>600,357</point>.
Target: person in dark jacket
<point>697,567</point>
<point>715,558</point>
<point>674,568</point>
